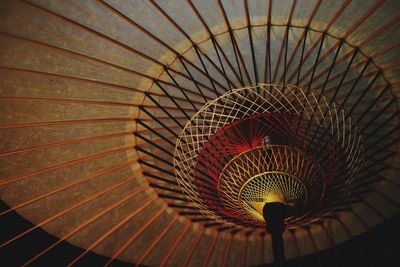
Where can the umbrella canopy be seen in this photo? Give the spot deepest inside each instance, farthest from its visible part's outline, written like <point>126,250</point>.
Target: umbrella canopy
<point>95,94</point>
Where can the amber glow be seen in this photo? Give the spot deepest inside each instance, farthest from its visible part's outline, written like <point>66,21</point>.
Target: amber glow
<point>250,146</point>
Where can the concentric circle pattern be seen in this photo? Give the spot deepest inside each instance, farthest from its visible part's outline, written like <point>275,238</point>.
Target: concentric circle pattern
<point>267,174</point>
<point>124,125</point>
<point>301,133</point>
<point>271,187</point>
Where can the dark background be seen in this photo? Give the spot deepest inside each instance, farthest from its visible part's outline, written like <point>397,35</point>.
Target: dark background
<point>378,247</point>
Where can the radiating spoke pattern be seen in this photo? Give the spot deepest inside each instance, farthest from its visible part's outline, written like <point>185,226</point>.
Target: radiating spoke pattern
<point>116,114</point>
<point>215,155</point>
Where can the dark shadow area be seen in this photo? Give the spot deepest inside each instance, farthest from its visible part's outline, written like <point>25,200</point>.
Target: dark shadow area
<point>29,245</point>
<point>379,247</point>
